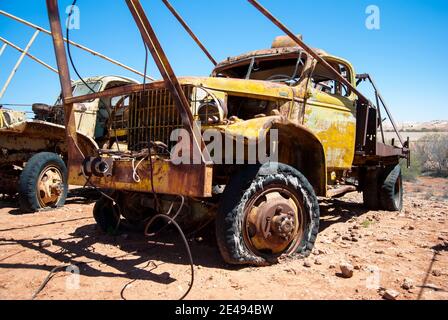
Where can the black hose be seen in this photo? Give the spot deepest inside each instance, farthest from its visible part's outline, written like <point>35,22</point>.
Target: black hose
<point>187,246</point>
<point>67,35</point>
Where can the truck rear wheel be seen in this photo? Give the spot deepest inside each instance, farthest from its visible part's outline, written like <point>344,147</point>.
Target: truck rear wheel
<point>391,194</point>
<point>266,214</point>
<point>43,183</point>
<point>383,189</point>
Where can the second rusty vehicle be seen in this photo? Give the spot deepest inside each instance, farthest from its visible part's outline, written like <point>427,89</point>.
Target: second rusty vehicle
<point>329,142</point>
<point>34,152</point>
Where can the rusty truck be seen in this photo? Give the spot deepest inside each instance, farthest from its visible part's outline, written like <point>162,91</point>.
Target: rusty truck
<point>329,142</point>
<point>33,153</point>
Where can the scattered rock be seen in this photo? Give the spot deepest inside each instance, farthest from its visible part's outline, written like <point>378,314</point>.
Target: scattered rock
<point>318,262</point>
<point>46,244</point>
<point>379,251</point>
<point>436,273</point>
<point>346,270</point>
<point>390,294</point>
<point>292,271</point>
<point>407,284</point>
<point>307,264</point>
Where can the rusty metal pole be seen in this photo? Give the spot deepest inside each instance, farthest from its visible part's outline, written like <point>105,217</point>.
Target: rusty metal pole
<point>171,81</point>
<point>189,31</point>
<point>12,45</point>
<point>305,47</point>
<point>75,156</point>
<point>380,97</point>
<point>3,49</point>
<point>19,62</point>
<point>79,46</point>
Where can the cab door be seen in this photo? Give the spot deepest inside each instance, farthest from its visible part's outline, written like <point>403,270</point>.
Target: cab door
<point>331,114</point>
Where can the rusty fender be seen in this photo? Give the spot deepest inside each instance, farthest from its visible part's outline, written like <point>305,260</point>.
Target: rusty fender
<point>298,146</point>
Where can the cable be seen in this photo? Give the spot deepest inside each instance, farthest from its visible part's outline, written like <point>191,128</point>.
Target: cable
<point>135,175</point>
<point>48,278</point>
<point>187,246</point>
<point>168,214</point>
<point>67,35</point>
<point>66,265</point>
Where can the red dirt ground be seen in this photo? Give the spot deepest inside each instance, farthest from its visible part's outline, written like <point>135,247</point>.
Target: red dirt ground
<point>383,246</point>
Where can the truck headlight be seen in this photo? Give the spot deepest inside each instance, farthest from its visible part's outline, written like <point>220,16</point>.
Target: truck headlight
<point>209,108</point>
<point>209,113</point>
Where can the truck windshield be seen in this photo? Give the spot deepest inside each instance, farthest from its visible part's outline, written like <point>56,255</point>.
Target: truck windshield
<point>81,89</point>
<point>275,69</point>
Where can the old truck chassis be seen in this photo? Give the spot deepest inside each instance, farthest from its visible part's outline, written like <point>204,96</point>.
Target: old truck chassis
<point>166,106</point>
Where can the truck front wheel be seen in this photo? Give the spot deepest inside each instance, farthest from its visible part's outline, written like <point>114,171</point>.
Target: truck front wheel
<point>267,214</point>
<point>43,183</point>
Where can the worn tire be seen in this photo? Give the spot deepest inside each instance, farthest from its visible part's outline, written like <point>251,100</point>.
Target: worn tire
<point>229,221</point>
<point>391,191</point>
<point>28,198</point>
<point>106,215</point>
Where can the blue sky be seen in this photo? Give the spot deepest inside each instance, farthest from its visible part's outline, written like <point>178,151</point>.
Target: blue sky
<point>407,56</point>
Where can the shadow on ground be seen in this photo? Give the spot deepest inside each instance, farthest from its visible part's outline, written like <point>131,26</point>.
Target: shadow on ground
<point>80,196</point>
<point>137,250</point>
<point>338,211</point>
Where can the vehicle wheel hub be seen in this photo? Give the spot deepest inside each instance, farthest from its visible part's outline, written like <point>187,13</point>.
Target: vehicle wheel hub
<point>50,186</point>
<point>272,223</point>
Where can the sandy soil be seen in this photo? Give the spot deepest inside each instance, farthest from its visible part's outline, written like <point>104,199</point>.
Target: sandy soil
<point>388,251</point>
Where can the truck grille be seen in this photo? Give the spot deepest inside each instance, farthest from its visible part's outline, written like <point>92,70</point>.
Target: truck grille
<point>152,117</point>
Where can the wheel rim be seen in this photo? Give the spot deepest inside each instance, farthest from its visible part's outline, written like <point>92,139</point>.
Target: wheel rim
<point>274,221</point>
<point>50,186</point>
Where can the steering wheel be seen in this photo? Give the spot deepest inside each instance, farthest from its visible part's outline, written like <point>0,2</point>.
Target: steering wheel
<point>281,78</point>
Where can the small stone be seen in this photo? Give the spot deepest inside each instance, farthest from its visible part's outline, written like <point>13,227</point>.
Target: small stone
<point>291,270</point>
<point>411,228</point>
<point>307,264</point>
<point>436,273</point>
<point>379,251</point>
<point>357,267</point>
<point>407,284</point>
<point>46,244</point>
<point>346,270</point>
<point>390,294</point>
<point>318,262</point>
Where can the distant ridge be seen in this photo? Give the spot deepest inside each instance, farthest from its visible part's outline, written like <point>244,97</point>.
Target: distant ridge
<point>429,126</point>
